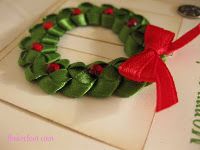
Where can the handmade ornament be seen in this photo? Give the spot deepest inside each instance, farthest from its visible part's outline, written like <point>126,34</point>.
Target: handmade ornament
<point>145,44</point>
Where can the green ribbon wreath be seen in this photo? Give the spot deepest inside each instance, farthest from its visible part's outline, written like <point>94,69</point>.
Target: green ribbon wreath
<point>43,65</point>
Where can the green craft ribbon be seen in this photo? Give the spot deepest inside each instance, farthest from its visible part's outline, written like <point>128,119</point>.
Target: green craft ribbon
<point>49,39</point>
<point>121,17</point>
<point>134,43</point>
<point>26,43</point>
<point>49,48</point>
<point>106,83</point>
<point>94,16</point>
<point>37,32</point>
<point>81,81</point>
<point>86,6</point>
<point>79,20</point>
<point>124,33</point>
<point>127,87</point>
<point>92,13</point>
<point>54,82</point>
<point>64,20</point>
<point>107,20</point>
<point>52,57</point>
<point>27,57</point>
<point>56,30</point>
<point>37,69</point>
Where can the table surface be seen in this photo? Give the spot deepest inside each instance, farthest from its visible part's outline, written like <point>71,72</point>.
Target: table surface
<point>15,120</point>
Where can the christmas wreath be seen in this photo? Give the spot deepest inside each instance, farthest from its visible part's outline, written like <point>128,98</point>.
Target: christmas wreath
<point>43,64</point>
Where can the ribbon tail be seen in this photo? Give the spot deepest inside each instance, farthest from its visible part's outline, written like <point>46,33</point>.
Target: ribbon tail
<point>185,39</point>
<point>166,91</point>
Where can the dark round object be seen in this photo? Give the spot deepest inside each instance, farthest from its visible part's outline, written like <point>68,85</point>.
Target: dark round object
<point>189,11</point>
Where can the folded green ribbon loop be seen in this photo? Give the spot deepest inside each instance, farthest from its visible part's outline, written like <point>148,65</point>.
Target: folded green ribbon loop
<point>64,19</point>
<point>66,23</point>
<point>30,76</point>
<point>37,69</point>
<point>63,62</point>
<point>107,20</point>
<point>54,82</point>
<point>49,39</point>
<point>27,57</point>
<point>134,43</point>
<point>26,43</point>
<point>92,13</point>
<point>50,18</point>
<point>85,6</point>
<point>106,83</point>
<point>124,33</point>
<point>94,16</point>
<point>128,88</point>
<point>49,48</point>
<point>56,30</point>
<point>79,20</point>
<point>121,16</point>
<point>37,32</point>
<point>52,57</point>
<point>81,81</point>
<point>39,66</point>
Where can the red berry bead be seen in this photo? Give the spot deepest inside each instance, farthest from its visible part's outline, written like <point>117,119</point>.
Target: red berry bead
<point>53,67</point>
<point>37,46</point>
<point>109,11</point>
<point>76,11</point>
<point>48,25</point>
<point>132,22</point>
<point>96,69</point>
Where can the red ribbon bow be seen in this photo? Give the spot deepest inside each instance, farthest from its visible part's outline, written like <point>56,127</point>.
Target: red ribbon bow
<point>147,66</point>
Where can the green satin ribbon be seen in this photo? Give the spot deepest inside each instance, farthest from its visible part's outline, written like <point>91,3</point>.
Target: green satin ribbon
<point>92,13</point>
<point>125,31</point>
<point>134,43</point>
<point>37,32</point>
<point>127,88</point>
<point>49,48</point>
<point>49,39</point>
<point>57,31</point>
<point>81,81</point>
<point>121,17</point>
<point>107,20</point>
<point>79,20</point>
<point>37,69</point>
<point>54,82</point>
<point>27,57</point>
<point>52,57</point>
<point>64,20</point>
<point>106,83</point>
<point>94,16</point>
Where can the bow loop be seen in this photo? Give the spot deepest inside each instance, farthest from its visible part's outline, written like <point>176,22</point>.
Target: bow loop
<point>137,67</point>
<point>158,39</point>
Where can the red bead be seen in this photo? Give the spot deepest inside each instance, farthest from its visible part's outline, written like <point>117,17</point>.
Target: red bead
<point>132,22</point>
<point>37,46</point>
<point>96,69</point>
<point>76,11</point>
<point>53,67</point>
<point>48,25</point>
<point>108,11</point>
